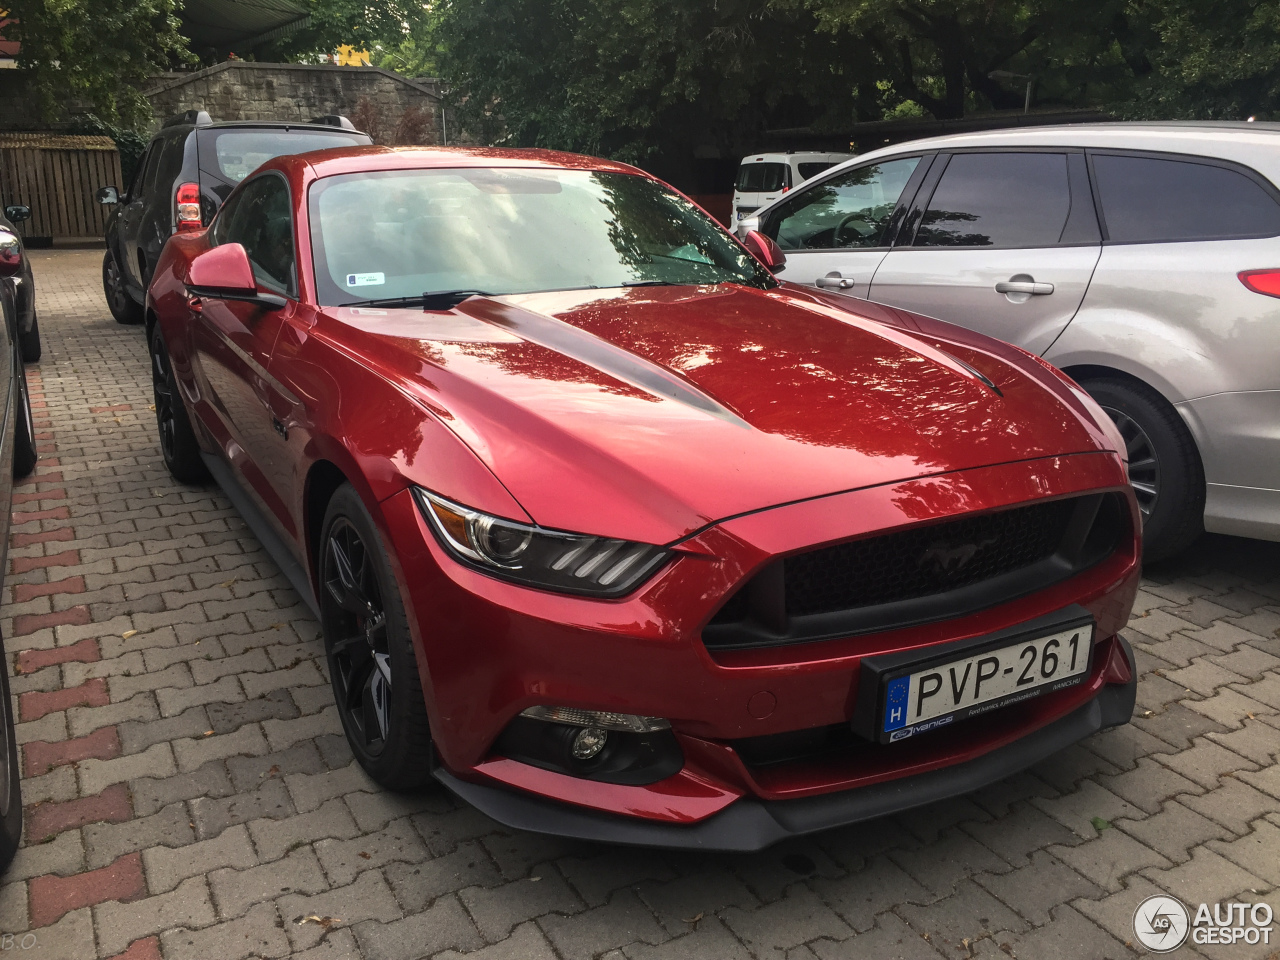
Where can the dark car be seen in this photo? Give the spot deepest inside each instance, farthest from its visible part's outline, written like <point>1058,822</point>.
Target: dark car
<point>23,288</point>
<point>17,459</point>
<point>189,168</point>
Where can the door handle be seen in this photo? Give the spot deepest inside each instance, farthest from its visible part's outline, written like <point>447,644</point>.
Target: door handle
<point>1029,287</point>
<point>833,279</point>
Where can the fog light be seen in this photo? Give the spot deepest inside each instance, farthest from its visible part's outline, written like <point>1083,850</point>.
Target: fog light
<point>589,742</point>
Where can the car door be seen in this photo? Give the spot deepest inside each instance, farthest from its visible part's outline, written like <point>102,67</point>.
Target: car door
<point>1003,242</point>
<point>232,340</point>
<point>131,215</point>
<point>836,231</point>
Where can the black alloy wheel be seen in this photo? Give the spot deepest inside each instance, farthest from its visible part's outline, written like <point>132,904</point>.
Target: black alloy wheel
<point>1164,464</point>
<point>371,661</point>
<point>122,306</point>
<point>178,444</point>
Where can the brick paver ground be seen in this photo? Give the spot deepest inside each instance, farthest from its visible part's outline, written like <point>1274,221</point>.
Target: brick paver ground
<point>189,793</point>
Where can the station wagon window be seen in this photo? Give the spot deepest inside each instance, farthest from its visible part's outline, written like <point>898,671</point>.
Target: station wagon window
<point>1145,199</point>
<point>760,177</point>
<point>998,200</point>
<point>260,219</point>
<point>851,209</point>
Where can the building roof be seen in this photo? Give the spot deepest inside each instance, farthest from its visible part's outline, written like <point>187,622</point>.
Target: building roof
<point>229,25</point>
<point>54,141</point>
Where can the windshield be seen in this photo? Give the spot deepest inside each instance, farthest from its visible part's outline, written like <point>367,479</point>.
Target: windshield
<point>403,233</point>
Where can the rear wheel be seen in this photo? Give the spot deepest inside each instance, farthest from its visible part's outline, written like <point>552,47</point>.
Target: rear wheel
<point>178,442</point>
<point>1164,464</point>
<point>122,306</point>
<point>371,658</point>
<point>24,429</point>
<point>10,791</point>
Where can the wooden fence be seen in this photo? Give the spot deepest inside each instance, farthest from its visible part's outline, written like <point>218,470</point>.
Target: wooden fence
<point>56,175</point>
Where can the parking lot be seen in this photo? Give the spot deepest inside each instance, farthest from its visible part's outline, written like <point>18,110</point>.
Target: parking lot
<point>190,795</point>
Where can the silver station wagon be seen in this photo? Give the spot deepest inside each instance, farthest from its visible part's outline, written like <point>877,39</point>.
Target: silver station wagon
<point>1141,258</point>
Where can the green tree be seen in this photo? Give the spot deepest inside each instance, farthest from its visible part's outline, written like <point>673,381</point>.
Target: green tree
<point>372,25</point>
<point>96,54</point>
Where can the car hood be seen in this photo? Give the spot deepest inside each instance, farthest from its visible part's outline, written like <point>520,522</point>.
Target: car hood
<point>648,412</point>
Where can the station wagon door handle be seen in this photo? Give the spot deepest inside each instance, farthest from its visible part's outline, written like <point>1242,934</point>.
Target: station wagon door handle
<point>833,279</point>
<point>1024,286</point>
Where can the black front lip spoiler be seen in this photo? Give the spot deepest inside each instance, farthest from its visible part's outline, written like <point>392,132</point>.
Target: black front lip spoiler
<point>749,824</point>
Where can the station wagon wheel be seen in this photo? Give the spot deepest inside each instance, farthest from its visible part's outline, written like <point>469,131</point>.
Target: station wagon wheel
<point>1144,464</point>
<point>372,665</point>
<point>1164,463</point>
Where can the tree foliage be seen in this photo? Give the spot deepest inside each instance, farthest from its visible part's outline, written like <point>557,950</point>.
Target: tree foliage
<point>95,54</point>
<point>363,24</point>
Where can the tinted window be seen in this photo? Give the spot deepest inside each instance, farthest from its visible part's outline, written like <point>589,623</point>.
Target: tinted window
<point>147,185</point>
<point>170,165</point>
<point>1000,200</point>
<point>234,154</point>
<point>1144,199</point>
<point>259,218</point>
<point>849,210</point>
<point>760,177</point>
<point>135,185</point>
<point>810,170</point>
<point>400,233</point>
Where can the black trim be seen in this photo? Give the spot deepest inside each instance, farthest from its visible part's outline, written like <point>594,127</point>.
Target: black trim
<point>262,529</point>
<point>748,824</point>
<point>268,301</point>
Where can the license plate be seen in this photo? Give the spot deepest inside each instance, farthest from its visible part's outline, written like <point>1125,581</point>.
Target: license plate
<point>930,697</point>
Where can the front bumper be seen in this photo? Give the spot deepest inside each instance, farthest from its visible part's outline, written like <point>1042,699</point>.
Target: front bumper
<point>750,824</point>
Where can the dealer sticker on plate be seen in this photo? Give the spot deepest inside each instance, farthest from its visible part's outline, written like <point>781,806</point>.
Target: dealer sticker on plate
<point>941,694</point>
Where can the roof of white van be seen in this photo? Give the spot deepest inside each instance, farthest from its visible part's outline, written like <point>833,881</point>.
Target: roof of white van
<point>1254,144</point>
<point>783,156</point>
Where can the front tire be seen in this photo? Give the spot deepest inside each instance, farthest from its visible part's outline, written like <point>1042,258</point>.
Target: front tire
<point>1164,464</point>
<point>371,660</point>
<point>29,342</point>
<point>178,444</point>
<point>24,429</point>
<point>122,306</point>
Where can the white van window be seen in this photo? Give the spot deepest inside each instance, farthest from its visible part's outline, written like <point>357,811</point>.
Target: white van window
<point>760,177</point>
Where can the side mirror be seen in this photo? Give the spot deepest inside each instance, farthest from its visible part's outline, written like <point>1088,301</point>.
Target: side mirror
<point>765,250</point>
<point>10,253</point>
<point>17,212</point>
<point>224,273</point>
<point>107,196</point>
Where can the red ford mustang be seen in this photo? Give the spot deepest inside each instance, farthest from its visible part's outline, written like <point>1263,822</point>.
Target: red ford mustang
<point>617,536</point>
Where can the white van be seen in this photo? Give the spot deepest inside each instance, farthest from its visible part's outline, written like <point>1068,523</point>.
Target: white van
<point>765,177</point>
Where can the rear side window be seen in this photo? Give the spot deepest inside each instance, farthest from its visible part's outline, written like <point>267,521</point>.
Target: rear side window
<point>231,155</point>
<point>147,185</point>
<point>760,177</point>
<point>260,219</point>
<point>998,200</point>
<point>170,150</point>
<point>1145,199</point>
<point>810,170</point>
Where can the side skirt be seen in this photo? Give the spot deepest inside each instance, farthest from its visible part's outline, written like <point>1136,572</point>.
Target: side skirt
<point>262,529</point>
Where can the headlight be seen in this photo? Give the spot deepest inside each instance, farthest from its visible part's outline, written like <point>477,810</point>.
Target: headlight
<point>564,562</point>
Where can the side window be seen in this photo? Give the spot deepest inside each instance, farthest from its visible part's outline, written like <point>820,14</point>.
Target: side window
<point>1145,199</point>
<point>135,185</point>
<point>260,218</point>
<point>998,200</point>
<point>170,151</point>
<point>849,210</point>
<point>147,185</point>
<point>810,170</point>
<point>760,177</point>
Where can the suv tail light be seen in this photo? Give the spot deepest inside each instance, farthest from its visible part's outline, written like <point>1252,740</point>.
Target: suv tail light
<point>187,199</point>
<point>1265,282</point>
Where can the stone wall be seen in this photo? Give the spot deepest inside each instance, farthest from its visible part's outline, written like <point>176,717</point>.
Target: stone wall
<point>374,99</point>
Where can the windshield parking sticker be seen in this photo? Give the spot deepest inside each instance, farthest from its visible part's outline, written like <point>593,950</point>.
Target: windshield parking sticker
<point>365,279</point>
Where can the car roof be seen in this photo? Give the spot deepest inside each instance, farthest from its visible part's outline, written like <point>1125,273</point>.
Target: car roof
<point>340,160</point>
<point>1256,145</point>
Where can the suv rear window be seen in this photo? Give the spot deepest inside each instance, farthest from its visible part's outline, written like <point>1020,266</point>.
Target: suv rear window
<point>1145,200</point>
<point>810,170</point>
<point>232,155</point>
<point>760,177</point>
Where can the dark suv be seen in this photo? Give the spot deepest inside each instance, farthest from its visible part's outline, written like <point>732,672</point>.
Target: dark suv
<point>188,170</point>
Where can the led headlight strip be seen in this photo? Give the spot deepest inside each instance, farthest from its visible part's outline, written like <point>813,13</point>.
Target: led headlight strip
<point>550,559</point>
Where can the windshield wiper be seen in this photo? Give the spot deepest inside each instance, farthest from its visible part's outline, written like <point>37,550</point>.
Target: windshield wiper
<point>653,283</point>
<point>430,300</point>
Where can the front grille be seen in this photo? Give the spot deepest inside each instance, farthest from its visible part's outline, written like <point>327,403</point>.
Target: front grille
<point>923,561</point>
<point>924,573</point>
